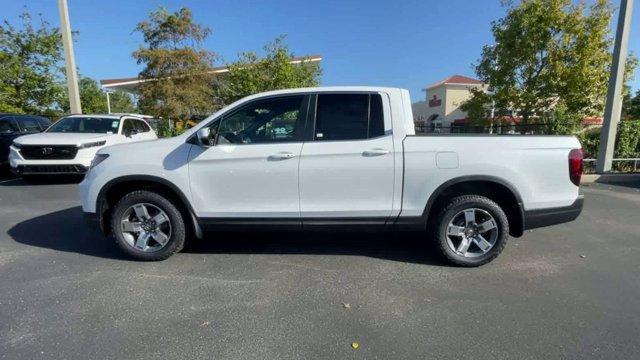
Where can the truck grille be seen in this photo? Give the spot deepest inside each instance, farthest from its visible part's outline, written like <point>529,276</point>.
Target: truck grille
<point>48,152</point>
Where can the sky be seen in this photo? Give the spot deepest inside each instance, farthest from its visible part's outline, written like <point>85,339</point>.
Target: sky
<point>409,44</point>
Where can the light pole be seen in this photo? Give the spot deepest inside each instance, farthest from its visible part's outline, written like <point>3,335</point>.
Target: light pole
<point>70,61</point>
<point>613,106</point>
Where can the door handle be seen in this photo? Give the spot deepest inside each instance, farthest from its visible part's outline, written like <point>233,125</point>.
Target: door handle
<point>375,152</point>
<point>282,156</point>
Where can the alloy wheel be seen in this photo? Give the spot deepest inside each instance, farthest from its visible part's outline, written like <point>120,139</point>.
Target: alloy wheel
<point>145,227</point>
<point>472,232</point>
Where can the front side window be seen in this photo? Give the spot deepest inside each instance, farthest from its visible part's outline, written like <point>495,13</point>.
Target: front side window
<point>264,121</point>
<point>141,126</point>
<point>349,117</point>
<point>7,126</point>
<point>128,127</point>
<point>81,124</point>
<point>29,124</point>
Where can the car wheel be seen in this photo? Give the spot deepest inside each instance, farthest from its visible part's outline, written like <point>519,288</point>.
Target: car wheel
<point>471,230</point>
<point>148,226</point>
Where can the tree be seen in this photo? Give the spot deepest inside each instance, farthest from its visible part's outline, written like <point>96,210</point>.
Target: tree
<point>631,107</point>
<point>121,102</point>
<point>252,74</point>
<point>178,70</point>
<point>550,53</point>
<point>30,66</point>
<point>476,106</point>
<point>92,99</point>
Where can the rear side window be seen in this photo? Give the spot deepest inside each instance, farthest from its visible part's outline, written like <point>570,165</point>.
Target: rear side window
<point>349,117</point>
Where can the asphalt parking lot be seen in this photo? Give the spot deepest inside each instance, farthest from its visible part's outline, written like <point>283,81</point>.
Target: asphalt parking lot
<point>570,291</point>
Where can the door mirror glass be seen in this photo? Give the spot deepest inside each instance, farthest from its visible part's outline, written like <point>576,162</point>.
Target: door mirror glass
<point>204,137</point>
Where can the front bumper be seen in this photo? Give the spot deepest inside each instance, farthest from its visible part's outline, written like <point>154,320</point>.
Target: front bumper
<point>546,217</point>
<point>79,165</point>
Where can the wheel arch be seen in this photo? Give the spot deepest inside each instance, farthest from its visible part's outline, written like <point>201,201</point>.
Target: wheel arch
<point>114,189</point>
<point>497,189</point>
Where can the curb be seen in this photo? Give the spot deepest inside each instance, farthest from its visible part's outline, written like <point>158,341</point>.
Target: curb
<point>610,178</point>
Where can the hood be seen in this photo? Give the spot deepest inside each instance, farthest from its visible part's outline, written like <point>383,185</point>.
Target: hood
<point>60,138</point>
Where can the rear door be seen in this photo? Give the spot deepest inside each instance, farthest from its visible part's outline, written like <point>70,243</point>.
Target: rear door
<point>347,170</point>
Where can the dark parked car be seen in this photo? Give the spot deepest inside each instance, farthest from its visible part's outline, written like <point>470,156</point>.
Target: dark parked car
<point>14,125</point>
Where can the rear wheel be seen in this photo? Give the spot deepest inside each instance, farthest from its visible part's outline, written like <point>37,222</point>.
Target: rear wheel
<point>471,230</point>
<point>147,226</point>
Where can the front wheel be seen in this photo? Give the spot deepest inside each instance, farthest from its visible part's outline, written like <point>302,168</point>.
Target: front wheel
<point>471,230</point>
<point>147,226</point>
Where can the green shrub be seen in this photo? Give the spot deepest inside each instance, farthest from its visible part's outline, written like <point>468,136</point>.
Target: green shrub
<point>627,141</point>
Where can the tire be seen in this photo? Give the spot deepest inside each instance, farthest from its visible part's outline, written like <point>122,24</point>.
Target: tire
<point>466,243</point>
<point>154,236</point>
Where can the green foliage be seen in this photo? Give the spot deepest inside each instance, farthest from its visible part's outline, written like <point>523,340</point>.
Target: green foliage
<point>252,74</point>
<point>631,107</point>
<point>165,129</point>
<point>627,141</point>
<point>121,102</point>
<point>179,70</point>
<point>92,99</point>
<point>477,106</point>
<point>30,66</point>
<point>549,53</point>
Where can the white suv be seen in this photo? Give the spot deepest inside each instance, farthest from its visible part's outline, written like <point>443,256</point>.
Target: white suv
<point>69,145</point>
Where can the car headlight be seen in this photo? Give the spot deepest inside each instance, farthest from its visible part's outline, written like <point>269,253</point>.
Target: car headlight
<point>97,159</point>
<point>92,144</point>
<point>16,145</point>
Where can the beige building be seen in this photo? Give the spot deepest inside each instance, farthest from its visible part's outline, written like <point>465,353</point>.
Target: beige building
<point>443,99</point>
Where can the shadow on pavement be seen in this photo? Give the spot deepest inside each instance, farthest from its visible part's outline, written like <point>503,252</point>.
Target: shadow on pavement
<point>66,230</point>
<point>395,246</point>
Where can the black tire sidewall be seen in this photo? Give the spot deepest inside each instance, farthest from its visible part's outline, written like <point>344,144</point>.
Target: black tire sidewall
<point>459,204</point>
<point>177,239</point>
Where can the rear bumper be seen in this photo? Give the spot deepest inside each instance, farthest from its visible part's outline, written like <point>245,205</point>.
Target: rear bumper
<point>61,169</point>
<point>545,217</point>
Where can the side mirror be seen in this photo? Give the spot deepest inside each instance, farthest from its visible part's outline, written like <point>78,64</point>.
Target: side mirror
<point>204,137</point>
<point>131,132</point>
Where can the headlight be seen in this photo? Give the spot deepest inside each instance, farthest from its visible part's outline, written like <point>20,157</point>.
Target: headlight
<point>16,145</point>
<point>97,160</point>
<point>93,144</point>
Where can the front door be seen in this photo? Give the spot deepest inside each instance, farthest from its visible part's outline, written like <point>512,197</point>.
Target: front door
<point>251,171</point>
<point>347,170</point>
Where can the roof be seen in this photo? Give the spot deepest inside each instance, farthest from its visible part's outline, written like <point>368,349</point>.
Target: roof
<point>108,116</point>
<point>455,79</point>
<point>130,83</point>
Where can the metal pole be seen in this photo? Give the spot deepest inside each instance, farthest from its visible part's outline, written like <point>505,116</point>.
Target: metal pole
<point>108,104</point>
<point>70,61</point>
<point>613,106</point>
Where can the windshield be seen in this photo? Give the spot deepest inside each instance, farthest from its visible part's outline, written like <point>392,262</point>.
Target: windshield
<point>78,124</point>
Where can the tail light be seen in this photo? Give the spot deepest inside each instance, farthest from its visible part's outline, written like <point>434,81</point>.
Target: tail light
<point>575,166</point>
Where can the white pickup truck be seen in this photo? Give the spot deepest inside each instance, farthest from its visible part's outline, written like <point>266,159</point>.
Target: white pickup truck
<point>332,158</point>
